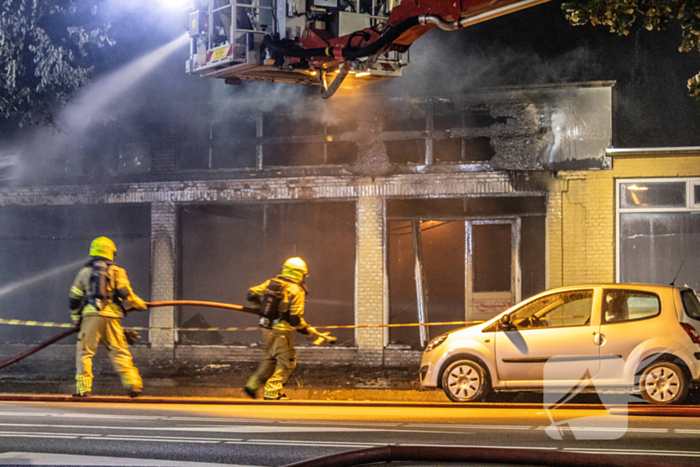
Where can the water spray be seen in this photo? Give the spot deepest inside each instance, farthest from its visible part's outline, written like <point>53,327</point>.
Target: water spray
<point>13,287</point>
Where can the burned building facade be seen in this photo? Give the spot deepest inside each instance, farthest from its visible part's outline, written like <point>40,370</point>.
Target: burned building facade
<point>407,210</point>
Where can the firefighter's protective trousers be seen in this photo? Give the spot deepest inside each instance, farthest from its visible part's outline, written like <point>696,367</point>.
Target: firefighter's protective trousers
<point>96,329</point>
<point>277,364</point>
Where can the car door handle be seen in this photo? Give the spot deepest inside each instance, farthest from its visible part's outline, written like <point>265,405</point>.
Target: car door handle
<point>598,338</point>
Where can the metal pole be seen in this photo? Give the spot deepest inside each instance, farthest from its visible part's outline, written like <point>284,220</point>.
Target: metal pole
<point>421,294</point>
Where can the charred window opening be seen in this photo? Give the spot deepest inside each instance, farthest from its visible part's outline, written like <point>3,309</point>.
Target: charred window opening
<point>341,153</point>
<point>194,146</point>
<point>227,149</point>
<point>43,248</point>
<point>226,249</point>
<point>405,118</point>
<point>478,149</point>
<point>344,125</point>
<point>447,150</point>
<point>293,154</point>
<point>278,126</point>
<point>480,118</point>
<point>458,150</point>
<point>448,121</point>
<point>406,152</point>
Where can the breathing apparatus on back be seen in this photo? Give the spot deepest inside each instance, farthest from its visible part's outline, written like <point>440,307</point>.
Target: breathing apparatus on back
<point>294,268</point>
<point>102,250</point>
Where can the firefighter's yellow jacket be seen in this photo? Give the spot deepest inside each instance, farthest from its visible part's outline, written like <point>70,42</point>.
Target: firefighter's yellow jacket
<point>118,287</point>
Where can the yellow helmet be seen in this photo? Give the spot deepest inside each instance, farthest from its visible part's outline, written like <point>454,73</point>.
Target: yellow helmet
<point>295,267</point>
<point>103,247</point>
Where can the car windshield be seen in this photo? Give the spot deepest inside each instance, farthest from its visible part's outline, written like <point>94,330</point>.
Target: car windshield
<point>691,303</point>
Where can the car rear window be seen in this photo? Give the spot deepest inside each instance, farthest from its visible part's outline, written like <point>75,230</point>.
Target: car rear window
<point>620,305</point>
<point>691,303</point>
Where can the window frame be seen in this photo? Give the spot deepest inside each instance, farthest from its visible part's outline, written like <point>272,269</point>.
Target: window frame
<point>690,207</point>
<point>603,322</point>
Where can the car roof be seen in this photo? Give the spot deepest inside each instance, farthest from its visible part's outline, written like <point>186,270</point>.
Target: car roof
<point>624,285</point>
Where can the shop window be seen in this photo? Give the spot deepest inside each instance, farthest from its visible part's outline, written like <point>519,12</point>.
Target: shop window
<point>43,248</point>
<point>696,195</point>
<point>654,246</point>
<point>652,194</point>
<point>226,249</point>
<point>443,277</point>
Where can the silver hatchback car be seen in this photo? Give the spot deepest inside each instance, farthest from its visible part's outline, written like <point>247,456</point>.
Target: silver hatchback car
<point>633,338</point>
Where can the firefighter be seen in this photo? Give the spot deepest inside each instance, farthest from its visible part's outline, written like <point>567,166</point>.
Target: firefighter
<point>281,304</point>
<point>99,295</point>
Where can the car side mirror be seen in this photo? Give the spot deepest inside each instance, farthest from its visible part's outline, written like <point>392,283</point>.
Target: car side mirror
<point>504,324</point>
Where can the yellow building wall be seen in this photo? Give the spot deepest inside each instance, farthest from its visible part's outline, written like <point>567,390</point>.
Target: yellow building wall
<point>581,214</point>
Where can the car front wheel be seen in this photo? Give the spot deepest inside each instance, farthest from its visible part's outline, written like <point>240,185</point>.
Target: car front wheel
<point>465,381</point>
<point>663,383</point>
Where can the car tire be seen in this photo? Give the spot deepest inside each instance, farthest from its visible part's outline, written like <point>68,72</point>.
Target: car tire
<point>466,381</point>
<point>663,383</point>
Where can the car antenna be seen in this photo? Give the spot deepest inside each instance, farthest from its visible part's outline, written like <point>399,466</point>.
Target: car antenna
<point>673,282</point>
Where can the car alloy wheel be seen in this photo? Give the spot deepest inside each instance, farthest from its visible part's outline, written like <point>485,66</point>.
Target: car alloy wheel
<point>465,381</point>
<point>663,383</point>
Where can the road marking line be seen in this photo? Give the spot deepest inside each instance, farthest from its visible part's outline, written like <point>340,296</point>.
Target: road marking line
<point>173,437</point>
<point>149,440</point>
<point>304,444</point>
<point>30,435</point>
<point>213,429</point>
<point>38,458</point>
<point>483,447</point>
<point>2,433</point>
<point>687,431</point>
<point>637,453</point>
<point>276,441</point>
<point>607,429</point>
<point>662,451</point>
<point>484,427</point>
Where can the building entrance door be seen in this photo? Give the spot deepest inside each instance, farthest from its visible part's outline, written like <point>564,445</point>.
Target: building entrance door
<point>493,267</point>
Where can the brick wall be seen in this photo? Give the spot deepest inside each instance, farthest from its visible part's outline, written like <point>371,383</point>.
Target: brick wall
<point>581,214</point>
<point>369,308</point>
<point>163,271</point>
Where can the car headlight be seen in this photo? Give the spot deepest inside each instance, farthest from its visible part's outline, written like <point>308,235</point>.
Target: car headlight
<point>436,342</point>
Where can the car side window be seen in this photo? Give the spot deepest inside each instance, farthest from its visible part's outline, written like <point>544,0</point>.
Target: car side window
<point>564,309</point>
<point>620,306</point>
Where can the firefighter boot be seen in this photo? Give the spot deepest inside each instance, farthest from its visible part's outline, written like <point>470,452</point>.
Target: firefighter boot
<point>280,397</point>
<point>83,386</point>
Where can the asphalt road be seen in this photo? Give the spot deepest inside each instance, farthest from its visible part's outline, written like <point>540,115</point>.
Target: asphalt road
<point>270,434</point>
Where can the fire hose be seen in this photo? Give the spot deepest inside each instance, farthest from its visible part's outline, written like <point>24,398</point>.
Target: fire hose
<point>75,329</point>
